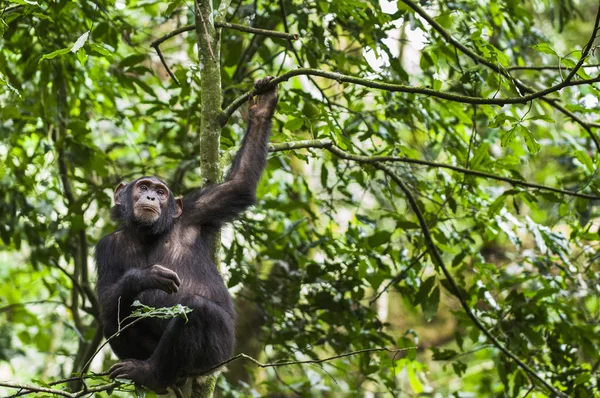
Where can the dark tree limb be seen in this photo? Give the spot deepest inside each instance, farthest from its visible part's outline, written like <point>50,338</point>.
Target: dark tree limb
<point>542,68</point>
<point>393,87</point>
<point>165,64</point>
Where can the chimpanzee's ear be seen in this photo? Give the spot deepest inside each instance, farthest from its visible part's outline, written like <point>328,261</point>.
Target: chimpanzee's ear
<point>117,194</point>
<point>178,206</point>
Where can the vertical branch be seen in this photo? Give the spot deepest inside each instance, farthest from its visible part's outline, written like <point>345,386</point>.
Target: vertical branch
<point>222,11</point>
<point>208,39</point>
<point>209,56</point>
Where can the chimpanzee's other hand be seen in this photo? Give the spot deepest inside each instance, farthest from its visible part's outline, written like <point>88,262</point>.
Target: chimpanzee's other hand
<point>163,278</point>
<point>263,105</point>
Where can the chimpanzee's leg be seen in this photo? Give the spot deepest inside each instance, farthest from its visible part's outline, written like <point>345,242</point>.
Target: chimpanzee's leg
<point>203,342</point>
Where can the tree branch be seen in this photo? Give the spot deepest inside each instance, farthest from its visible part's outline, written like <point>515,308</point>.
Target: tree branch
<point>37,389</point>
<point>286,146</point>
<point>541,68</point>
<point>10,307</point>
<point>330,146</point>
<point>393,87</point>
<point>222,11</point>
<point>29,389</point>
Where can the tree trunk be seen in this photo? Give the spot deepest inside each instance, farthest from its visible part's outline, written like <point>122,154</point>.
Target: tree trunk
<point>209,56</point>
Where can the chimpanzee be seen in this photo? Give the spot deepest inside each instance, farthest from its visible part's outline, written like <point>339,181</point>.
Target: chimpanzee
<point>159,256</point>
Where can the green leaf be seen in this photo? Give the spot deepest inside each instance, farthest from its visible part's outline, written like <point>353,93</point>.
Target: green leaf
<point>544,117</point>
<point>144,86</point>
<point>41,383</point>
<point>424,290</point>
<point>544,48</point>
<point>132,60</point>
<point>430,306</point>
<point>140,392</point>
<point>82,56</point>
<point>25,2</point>
<point>481,153</point>
<point>500,119</point>
<point>172,6</point>
<point>42,16</point>
<point>55,54</point>
<point>507,136</point>
<point>413,380</point>
<point>105,52</point>
<point>379,238</point>
<point>569,63</point>
<point>585,159</point>
<point>532,144</point>
<point>294,124</point>
<point>459,367</point>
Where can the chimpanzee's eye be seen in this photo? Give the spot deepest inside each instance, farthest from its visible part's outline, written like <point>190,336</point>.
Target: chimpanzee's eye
<point>161,192</point>
<point>143,188</point>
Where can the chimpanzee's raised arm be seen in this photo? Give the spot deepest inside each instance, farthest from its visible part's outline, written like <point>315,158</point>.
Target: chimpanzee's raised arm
<point>220,203</point>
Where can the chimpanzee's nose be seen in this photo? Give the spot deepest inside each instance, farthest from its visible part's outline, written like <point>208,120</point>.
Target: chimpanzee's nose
<point>150,197</point>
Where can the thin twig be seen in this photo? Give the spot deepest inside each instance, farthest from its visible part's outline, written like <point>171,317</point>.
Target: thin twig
<point>164,62</point>
<point>398,277</point>
<point>83,369</point>
<point>308,361</point>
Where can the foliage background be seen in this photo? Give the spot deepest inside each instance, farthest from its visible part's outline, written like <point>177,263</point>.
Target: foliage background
<point>333,258</point>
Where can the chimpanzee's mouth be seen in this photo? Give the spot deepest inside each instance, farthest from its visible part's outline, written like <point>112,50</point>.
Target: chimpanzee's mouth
<point>149,208</point>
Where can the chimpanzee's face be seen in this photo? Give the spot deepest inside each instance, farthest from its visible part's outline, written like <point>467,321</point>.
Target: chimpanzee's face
<point>147,202</point>
<point>150,199</point>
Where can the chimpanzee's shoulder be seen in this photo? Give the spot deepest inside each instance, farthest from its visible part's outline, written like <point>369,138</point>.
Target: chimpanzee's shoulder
<point>110,241</point>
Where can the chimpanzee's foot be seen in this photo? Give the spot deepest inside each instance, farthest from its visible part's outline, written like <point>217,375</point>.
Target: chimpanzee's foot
<point>140,372</point>
<point>263,105</point>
